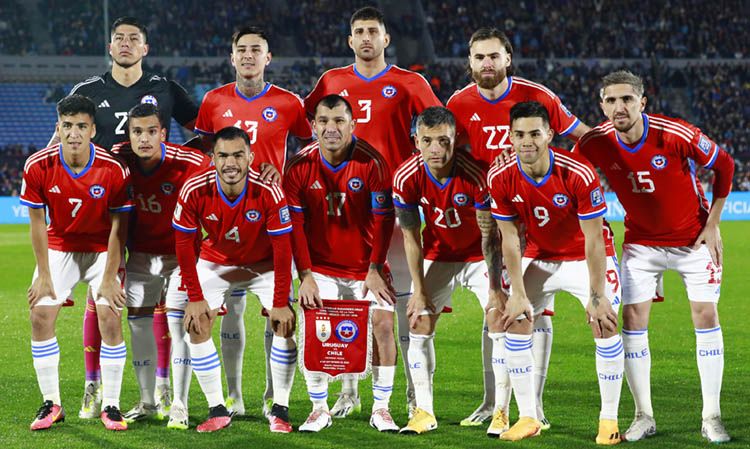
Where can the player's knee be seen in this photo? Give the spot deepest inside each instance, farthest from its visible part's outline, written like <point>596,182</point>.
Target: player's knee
<point>383,330</point>
<point>41,320</point>
<point>704,315</point>
<point>495,320</point>
<point>635,316</point>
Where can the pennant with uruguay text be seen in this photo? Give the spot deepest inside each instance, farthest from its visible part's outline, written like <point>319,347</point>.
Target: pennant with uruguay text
<point>336,339</point>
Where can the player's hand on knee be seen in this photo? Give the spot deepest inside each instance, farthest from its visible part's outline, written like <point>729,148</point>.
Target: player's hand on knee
<point>40,288</point>
<point>516,306</point>
<point>711,236</point>
<point>376,282</point>
<point>282,321</point>
<point>418,303</point>
<point>269,173</point>
<point>112,291</point>
<point>309,295</point>
<point>496,301</point>
<point>194,312</point>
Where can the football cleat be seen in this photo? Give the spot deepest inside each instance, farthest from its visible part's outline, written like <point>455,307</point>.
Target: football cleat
<point>279,419</point>
<point>47,415</point>
<point>236,407</point>
<point>178,417</point>
<point>421,422</point>
<point>525,427</point>
<point>346,405</point>
<point>642,426</point>
<point>479,416</point>
<point>112,418</point>
<point>267,406</point>
<point>140,411</point>
<point>541,418</point>
<point>163,400</point>
<point>91,403</point>
<point>713,430</point>
<point>499,424</point>
<point>318,420</point>
<point>218,418</point>
<point>609,433</point>
<point>382,421</point>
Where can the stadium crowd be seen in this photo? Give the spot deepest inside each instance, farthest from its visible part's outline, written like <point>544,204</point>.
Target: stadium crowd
<point>681,29</point>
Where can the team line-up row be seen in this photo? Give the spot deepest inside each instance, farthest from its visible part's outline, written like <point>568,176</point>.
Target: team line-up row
<point>341,191</point>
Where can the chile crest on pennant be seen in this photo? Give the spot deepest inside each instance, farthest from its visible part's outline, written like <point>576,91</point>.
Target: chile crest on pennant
<point>347,331</point>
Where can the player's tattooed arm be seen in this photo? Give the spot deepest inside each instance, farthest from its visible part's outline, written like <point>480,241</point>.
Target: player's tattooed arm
<point>408,218</point>
<point>491,248</point>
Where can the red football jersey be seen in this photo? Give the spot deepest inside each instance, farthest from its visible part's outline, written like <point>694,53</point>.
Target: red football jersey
<point>488,122</point>
<point>655,178</point>
<point>339,204</point>
<point>552,208</point>
<point>268,118</point>
<point>78,205</point>
<point>237,231</point>
<point>156,195</point>
<point>383,106</point>
<point>451,233</point>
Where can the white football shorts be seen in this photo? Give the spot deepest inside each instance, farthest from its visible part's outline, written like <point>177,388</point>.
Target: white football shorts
<point>544,278</point>
<point>68,269</point>
<point>332,287</point>
<point>643,265</point>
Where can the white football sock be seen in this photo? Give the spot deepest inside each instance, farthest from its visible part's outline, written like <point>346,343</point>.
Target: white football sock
<point>541,351</point>
<point>402,321</point>
<point>283,365</point>
<point>350,385</point>
<point>112,362</point>
<point>267,343</point>
<point>233,342</point>
<point>382,386</point>
<point>520,364</point>
<point>317,388</point>
<point>46,356</point>
<point>638,368</point>
<point>207,369</point>
<point>182,369</point>
<point>610,363</point>
<point>500,370</point>
<point>709,352</point>
<point>143,347</point>
<point>488,375</point>
<point>421,365</point>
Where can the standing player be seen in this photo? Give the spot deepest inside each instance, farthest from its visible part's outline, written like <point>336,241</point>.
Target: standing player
<point>482,110</point>
<point>461,248</point>
<point>114,93</point>
<point>268,114</point>
<point>158,171</point>
<point>649,161</point>
<point>88,196</point>
<point>558,197</point>
<point>247,246</point>
<point>340,192</point>
<point>385,98</point>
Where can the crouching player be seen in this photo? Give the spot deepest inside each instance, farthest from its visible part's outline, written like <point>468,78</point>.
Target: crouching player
<point>558,197</point>
<point>88,195</point>
<point>246,247</point>
<point>158,172</point>
<point>461,249</point>
<point>340,194</point>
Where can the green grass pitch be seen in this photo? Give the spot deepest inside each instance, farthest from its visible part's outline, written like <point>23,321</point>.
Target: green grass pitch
<point>571,396</point>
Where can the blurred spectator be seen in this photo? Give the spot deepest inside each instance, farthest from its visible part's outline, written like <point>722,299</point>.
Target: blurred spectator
<point>14,29</point>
